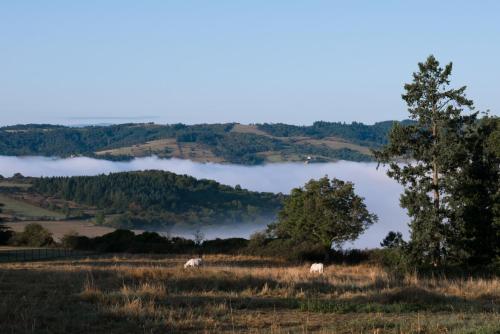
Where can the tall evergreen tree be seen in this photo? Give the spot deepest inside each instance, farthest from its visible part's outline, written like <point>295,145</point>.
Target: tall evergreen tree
<point>474,202</point>
<point>423,155</point>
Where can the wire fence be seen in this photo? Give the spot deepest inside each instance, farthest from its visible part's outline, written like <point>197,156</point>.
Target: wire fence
<point>34,254</point>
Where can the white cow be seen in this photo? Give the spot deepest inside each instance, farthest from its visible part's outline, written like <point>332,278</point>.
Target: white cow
<point>193,263</point>
<point>316,268</point>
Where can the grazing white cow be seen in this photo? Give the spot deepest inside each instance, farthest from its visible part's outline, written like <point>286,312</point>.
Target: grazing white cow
<point>316,268</point>
<point>193,263</point>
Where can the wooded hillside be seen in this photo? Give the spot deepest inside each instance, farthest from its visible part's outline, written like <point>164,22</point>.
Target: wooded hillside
<point>159,199</point>
<point>230,142</point>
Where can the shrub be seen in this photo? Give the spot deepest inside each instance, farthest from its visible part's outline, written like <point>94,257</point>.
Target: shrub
<point>117,241</point>
<point>5,235</point>
<point>226,246</point>
<point>5,231</point>
<point>393,260</point>
<point>262,245</point>
<point>73,240</point>
<point>34,235</point>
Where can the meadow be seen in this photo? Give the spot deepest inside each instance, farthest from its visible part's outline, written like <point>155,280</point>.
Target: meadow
<point>59,228</point>
<point>234,294</point>
<point>25,210</point>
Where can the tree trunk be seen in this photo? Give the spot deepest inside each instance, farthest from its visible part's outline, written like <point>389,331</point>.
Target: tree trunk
<point>435,182</point>
<point>435,177</point>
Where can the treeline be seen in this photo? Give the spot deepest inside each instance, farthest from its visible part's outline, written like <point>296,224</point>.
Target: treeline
<point>52,140</point>
<point>359,133</point>
<point>238,148</point>
<point>159,199</point>
<point>234,147</point>
<point>247,148</point>
<point>125,241</point>
<point>122,241</point>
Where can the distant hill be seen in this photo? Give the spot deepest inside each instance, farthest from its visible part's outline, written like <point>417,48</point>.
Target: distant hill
<point>230,142</point>
<point>159,199</point>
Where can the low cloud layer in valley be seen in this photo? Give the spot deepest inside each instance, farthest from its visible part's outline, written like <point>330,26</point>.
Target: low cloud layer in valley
<point>380,192</point>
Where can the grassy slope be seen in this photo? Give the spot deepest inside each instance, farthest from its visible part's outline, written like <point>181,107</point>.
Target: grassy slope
<point>26,210</point>
<point>236,294</point>
<point>165,148</point>
<point>14,184</point>
<point>197,152</point>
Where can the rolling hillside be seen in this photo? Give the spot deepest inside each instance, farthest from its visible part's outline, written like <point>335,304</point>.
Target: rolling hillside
<point>222,143</point>
<point>153,199</point>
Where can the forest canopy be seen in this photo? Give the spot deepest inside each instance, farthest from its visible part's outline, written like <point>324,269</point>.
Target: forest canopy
<point>159,199</point>
<point>220,140</point>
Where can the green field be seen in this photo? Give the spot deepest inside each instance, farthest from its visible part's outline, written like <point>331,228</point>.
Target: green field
<point>23,210</point>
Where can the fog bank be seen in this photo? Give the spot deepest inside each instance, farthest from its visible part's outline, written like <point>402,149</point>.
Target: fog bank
<point>380,192</point>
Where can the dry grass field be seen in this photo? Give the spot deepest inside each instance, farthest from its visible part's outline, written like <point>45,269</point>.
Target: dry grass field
<point>166,148</point>
<point>235,294</point>
<point>14,184</point>
<point>333,142</point>
<point>147,148</point>
<point>59,228</point>
<point>249,128</point>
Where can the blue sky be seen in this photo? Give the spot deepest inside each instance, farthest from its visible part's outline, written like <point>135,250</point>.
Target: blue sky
<point>246,61</point>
